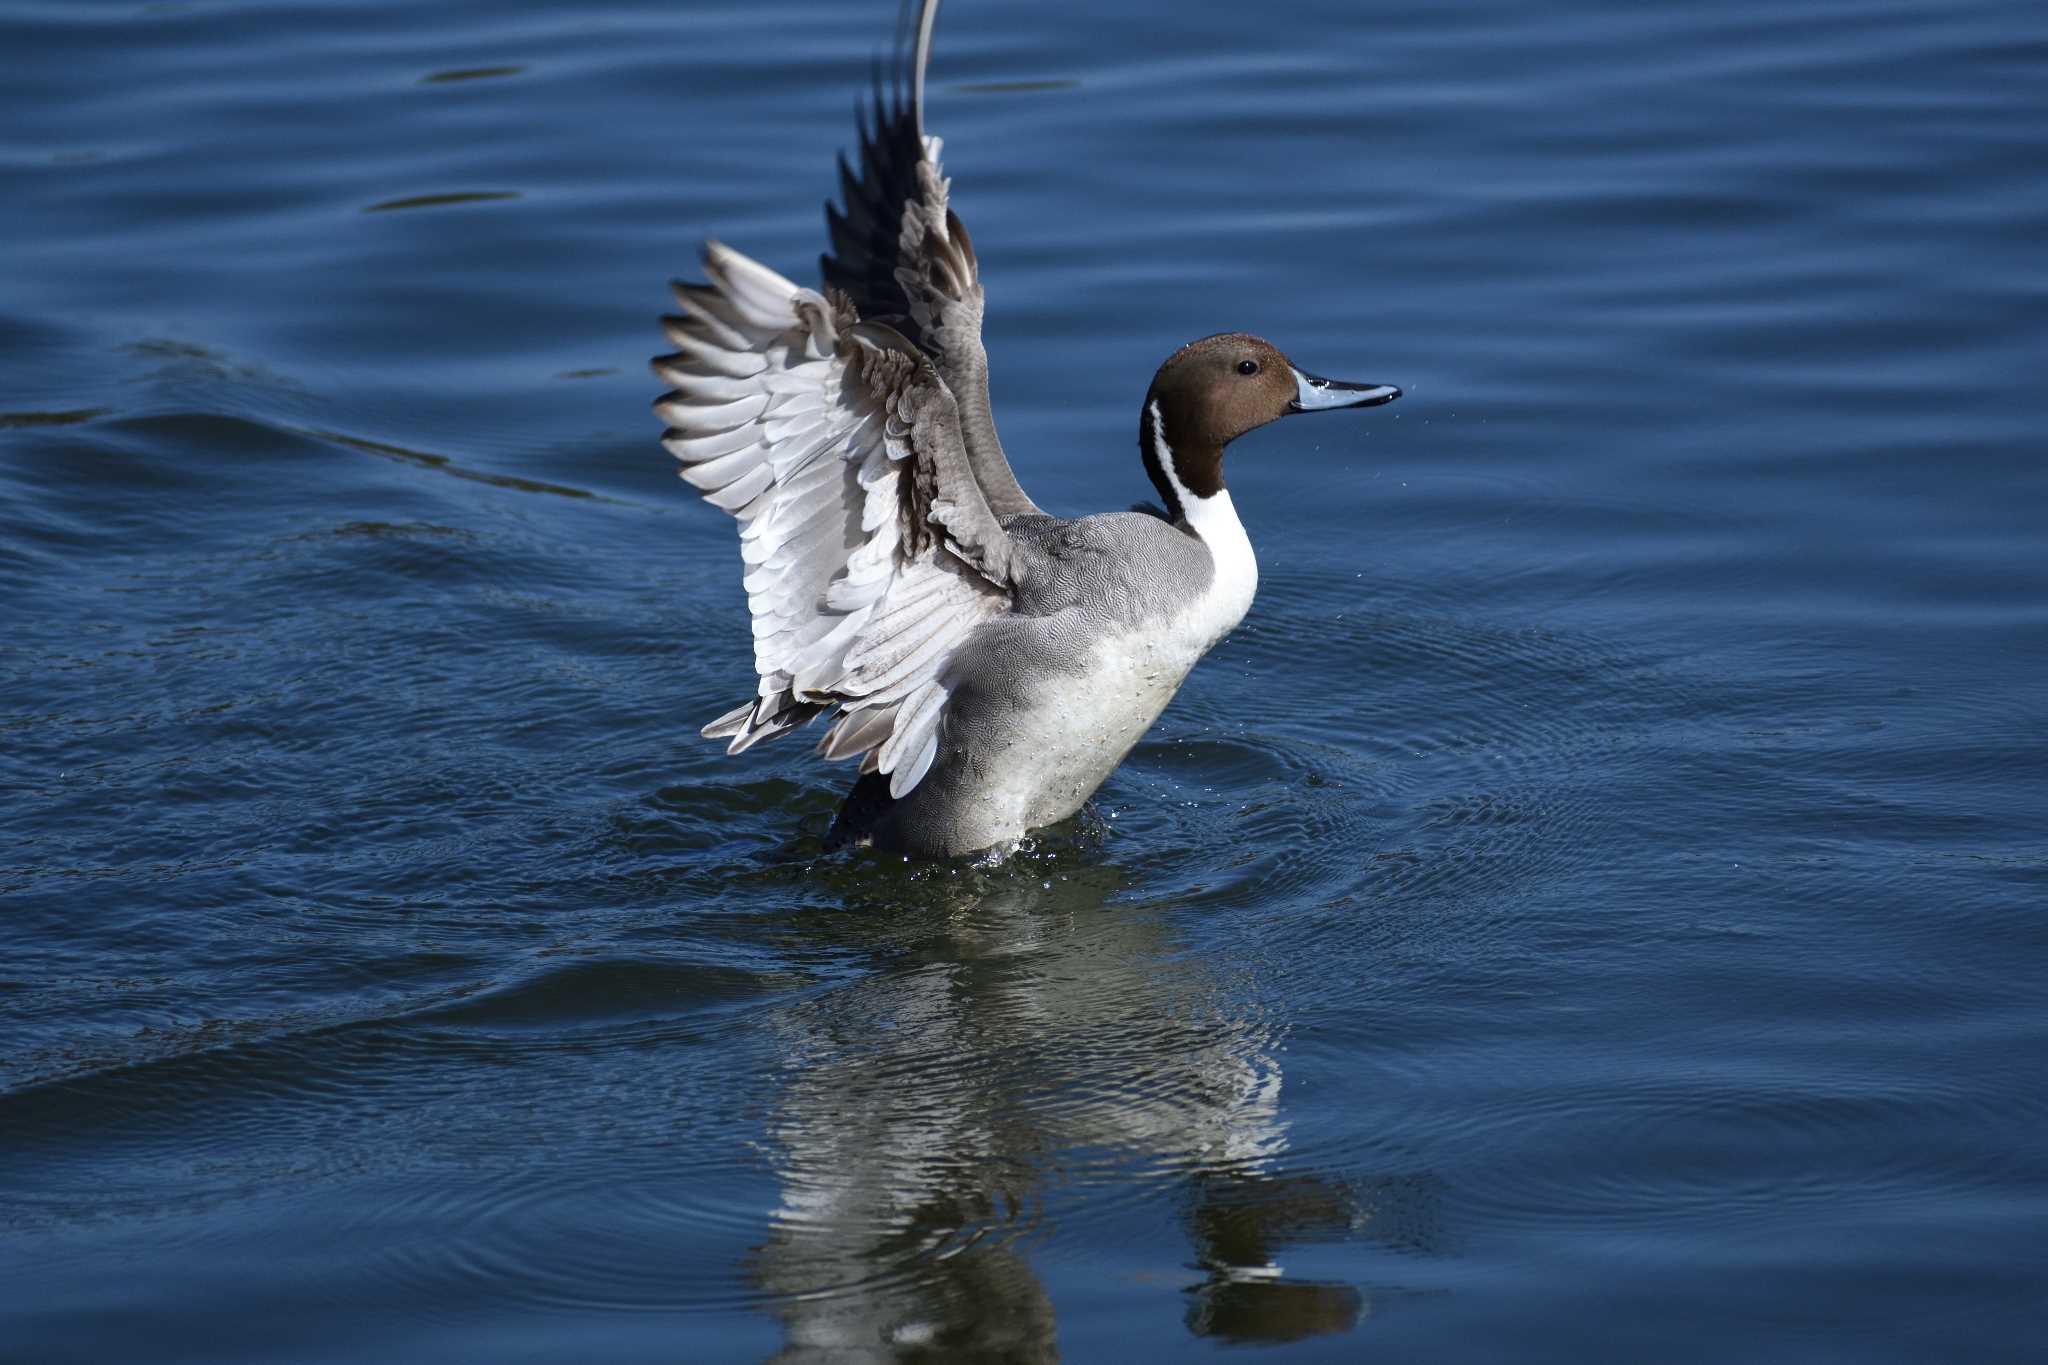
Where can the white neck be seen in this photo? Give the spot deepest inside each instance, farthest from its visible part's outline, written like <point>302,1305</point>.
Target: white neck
<point>1214,521</point>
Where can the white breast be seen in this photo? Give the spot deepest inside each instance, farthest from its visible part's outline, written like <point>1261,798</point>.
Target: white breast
<point>1216,612</point>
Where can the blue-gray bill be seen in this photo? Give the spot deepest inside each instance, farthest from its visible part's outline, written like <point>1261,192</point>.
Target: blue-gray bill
<point>1313,393</point>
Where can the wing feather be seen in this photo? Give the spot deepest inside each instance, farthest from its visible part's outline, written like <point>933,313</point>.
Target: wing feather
<point>856,732</point>
<point>872,554</point>
<point>902,255</point>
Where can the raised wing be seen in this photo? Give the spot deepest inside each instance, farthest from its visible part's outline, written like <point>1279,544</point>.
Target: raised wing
<point>870,550</point>
<point>903,257</point>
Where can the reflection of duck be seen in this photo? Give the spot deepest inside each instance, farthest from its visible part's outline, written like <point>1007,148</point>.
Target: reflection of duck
<point>989,664</point>
<point>1237,1223</point>
<point>1031,1067</point>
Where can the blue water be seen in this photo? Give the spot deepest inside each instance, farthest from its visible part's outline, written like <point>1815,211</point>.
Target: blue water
<point>1593,909</point>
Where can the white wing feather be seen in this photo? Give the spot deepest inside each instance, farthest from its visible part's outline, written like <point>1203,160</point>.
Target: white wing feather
<point>871,552</point>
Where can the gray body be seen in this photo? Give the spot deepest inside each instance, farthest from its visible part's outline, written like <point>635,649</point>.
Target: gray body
<point>1041,711</point>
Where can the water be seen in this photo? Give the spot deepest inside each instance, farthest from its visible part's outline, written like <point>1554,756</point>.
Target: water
<point>1593,909</point>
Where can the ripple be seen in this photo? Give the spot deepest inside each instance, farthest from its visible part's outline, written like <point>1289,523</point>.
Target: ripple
<point>539,1240</point>
<point>1725,1155</point>
<point>443,200</point>
<point>471,73</point>
<point>1470,777</point>
<point>446,465</point>
<point>566,1000</point>
<point>69,418</point>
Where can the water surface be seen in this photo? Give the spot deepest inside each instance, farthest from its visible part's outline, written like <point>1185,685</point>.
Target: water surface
<point>1592,909</point>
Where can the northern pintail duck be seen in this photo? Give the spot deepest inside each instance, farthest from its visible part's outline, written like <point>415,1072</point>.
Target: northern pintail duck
<point>990,664</point>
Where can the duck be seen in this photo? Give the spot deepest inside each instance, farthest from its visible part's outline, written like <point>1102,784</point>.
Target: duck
<point>989,664</point>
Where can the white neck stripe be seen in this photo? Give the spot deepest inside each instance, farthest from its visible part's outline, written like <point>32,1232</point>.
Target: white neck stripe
<point>1213,518</point>
<point>1166,461</point>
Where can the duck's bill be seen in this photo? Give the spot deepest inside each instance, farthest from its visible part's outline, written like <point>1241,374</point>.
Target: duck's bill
<point>1316,394</point>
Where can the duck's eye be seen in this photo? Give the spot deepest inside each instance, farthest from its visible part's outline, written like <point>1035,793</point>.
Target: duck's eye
<point>1247,367</point>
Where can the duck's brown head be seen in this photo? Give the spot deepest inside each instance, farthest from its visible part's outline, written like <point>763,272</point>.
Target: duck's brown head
<point>1212,391</point>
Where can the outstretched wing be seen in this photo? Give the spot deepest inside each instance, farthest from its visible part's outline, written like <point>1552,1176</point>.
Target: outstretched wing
<point>870,550</point>
<point>903,257</point>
